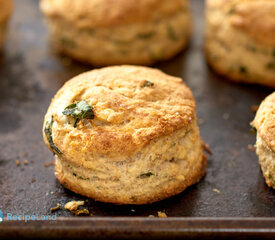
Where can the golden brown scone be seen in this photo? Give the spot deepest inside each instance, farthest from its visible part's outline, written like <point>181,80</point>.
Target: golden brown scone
<point>264,122</point>
<point>240,40</point>
<point>107,32</point>
<point>139,144</point>
<point>5,12</point>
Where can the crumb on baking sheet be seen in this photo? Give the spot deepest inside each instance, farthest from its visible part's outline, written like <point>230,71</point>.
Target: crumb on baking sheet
<point>162,214</point>
<point>151,216</point>
<point>206,147</point>
<point>72,206</point>
<point>17,162</point>
<point>225,116</point>
<point>200,121</point>
<point>33,180</point>
<point>79,212</point>
<point>26,162</point>
<point>251,147</point>
<point>58,206</point>
<point>48,164</point>
<point>216,190</point>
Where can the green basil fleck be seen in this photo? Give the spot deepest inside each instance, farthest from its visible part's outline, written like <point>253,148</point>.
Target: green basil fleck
<point>48,133</point>
<point>80,177</point>
<point>147,84</point>
<point>271,66</point>
<point>79,110</point>
<point>145,35</point>
<point>90,31</point>
<point>271,178</point>
<point>252,48</point>
<point>243,69</point>
<point>146,175</point>
<point>231,10</point>
<point>171,33</point>
<point>68,43</point>
<point>253,130</point>
<point>156,56</point>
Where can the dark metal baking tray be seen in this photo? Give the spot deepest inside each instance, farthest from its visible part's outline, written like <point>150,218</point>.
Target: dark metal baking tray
<point>231,200</point>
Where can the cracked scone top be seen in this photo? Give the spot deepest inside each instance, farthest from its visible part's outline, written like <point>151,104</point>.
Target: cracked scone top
<point>264,122</point>
<point>239,39</point>
<point>105,32</point>
<point>140,142</point>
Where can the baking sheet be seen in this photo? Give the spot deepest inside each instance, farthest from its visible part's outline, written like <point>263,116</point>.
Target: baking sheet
<point>30,74</point>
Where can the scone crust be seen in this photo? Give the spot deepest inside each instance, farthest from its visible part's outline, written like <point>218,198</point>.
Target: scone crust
<point>256,18</point>
<point>266,161</point>
<point>240,40</point>
<point>5,10</point>
<point>118,99</point>
<point>109,13</point>
<point>265,121</point>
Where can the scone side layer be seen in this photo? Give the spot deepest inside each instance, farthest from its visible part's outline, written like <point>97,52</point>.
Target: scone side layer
<point>266,161</point>
<point>165,167</point>
<point>264,121</point>
<point>135,43</point>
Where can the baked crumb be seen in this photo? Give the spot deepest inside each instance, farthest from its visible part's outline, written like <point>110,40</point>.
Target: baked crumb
<point>26,162</point>
<point>48,164</point>
<point>216,190</point>
<point>206,147</point>
<point>200,121</point>
<point>225,116</point>
<point>73,205</point>
<point>151,216</point>
<point>33,180</point>
<point>162,214</point>
<point>81,212</point>
<point>53,209</point>
<point>17,163</point>
<point>251,147</point>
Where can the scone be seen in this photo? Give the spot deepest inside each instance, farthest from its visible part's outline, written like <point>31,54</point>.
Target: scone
<point>264,123</point>
<point>108,32</point>
<point>240,39</point>
<point>5,12</point>
<point>125,135</point>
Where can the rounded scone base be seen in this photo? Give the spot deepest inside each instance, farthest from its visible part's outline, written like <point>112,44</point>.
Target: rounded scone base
<point>165,167</point>
<point>141,42</point>
<point>231,49</point>
<point>266,161</point>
